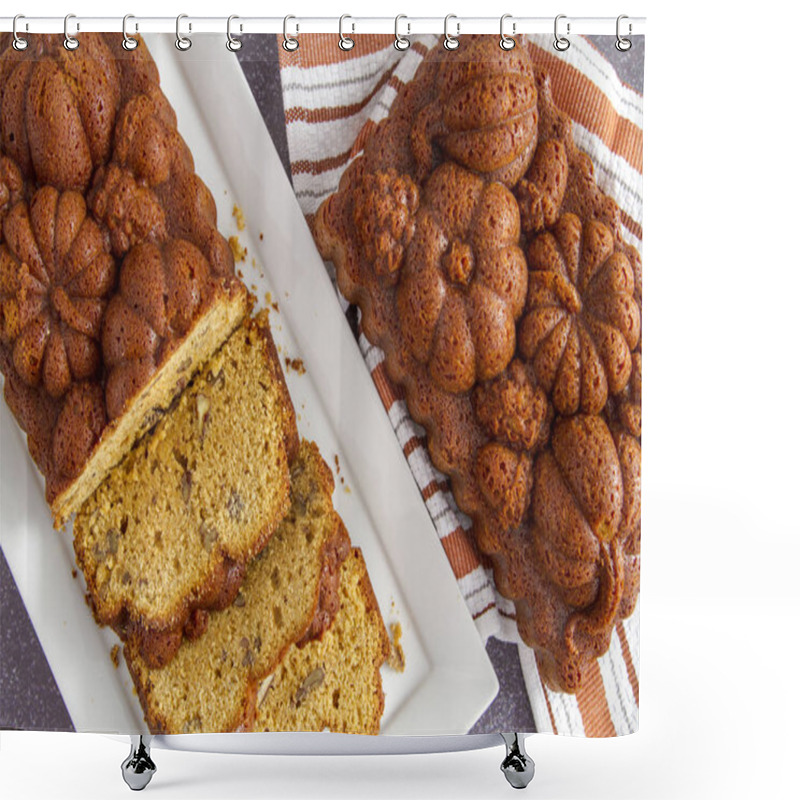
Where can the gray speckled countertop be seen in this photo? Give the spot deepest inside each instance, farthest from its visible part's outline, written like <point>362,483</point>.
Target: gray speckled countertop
<point>29,696</point>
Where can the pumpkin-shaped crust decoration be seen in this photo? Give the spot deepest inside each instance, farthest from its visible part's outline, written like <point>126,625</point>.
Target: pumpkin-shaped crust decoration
<point>626,407</point>
<point>146,149</point>
<point>55,276</point>
<point>484,114</point>
<point>504,477</point>
<point>585,509</point>
<point>511,408</point>
<point>149,190</point>
<point>581,320</point>
<point>464,280</point>
<point>384,206</point>
<point>58,108</point>
<point>541,192</point>
<point>11,188</point>
<point>161,290</point>
<point>130,210</point>
<point>80,424</point>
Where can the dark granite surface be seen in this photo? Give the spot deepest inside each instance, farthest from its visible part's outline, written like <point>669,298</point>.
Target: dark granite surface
<point>29,697</point>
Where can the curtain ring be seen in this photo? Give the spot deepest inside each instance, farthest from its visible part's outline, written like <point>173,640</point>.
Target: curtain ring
<point>345,42</point>
<point>451,42</point>
<point>622,44</point>
<point>290,43</point>
<point>128,42</point>
<point>506,42</point>
<point>400,42</point>
<point>233,44</point>
<point>70,42</point>
<point>561,43</point>
<point>183,43</point>
<point>19,43</point>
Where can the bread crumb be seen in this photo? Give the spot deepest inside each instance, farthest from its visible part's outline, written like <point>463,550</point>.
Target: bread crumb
<point>336,461</point>
<point>75,574</point>
<point>348,490</point>
<point>268,298</point>
<point>115,656</point>
<point>238,215</point>
<point>296,364</point>
<point>261,237</point>
<point>239,252</point>
<point>397,658</point>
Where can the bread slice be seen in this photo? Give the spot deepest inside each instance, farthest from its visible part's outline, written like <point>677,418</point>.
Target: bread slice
<point>211,684</point>
<point>211,328</point>
<point>167,535</point>
<point>334,682</point>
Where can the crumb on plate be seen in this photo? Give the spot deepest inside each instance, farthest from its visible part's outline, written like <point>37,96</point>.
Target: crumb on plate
<point>397,658</point>
<point>238,215</point>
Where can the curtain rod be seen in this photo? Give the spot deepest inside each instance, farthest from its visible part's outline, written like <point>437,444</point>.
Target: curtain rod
<point>406,25</point>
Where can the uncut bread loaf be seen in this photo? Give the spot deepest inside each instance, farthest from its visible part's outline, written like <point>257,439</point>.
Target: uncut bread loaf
<point>167,535</point>
<point>332,683</point>
<point>115,284</point>
<point>211,685</point>
<point>494,274</point>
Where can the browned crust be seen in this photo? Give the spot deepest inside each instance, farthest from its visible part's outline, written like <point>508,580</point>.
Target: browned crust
<point>506,549</point>
<point>373,610</point>
<point>332,557</point>
<point>291,439</point>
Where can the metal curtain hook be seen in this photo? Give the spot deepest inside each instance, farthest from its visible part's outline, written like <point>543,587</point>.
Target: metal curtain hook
<point>400,42</point>
<point>451,42</point>
<point>623,44</point>
<point>70,42</point>
<point>128,43</point>
<point>561,43</point>
<point>183,43</point>
<point>506,42</point>
<point>233,44</point>
<point>345,42</point>
<point>290,43</point>
<point>19,43</point>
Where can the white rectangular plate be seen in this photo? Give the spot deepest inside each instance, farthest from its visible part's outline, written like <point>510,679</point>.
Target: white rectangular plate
<point>448,680</point>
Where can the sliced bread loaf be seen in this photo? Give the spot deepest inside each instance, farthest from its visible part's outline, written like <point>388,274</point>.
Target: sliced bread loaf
<point>167,535</point>
<point>335,681</point>
<point>211,684</point>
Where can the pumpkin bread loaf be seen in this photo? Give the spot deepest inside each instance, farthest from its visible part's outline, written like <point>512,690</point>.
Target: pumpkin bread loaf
<point>212,683</point>
<point>492,271</point>
<point>115,284</point>
<point>333,683</point>
<point>168,533</point>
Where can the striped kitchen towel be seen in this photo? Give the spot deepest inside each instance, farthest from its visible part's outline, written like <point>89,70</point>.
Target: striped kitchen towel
<point>332,101</point>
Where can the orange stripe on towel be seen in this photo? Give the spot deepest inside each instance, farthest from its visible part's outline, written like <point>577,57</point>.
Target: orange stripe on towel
<point>593,705</point>
<point>332,113</point>
<point>321,49</point>
<point>317,167</point>
<point>626,655</point>
<point>385,389</point>
<point>460,553</point>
